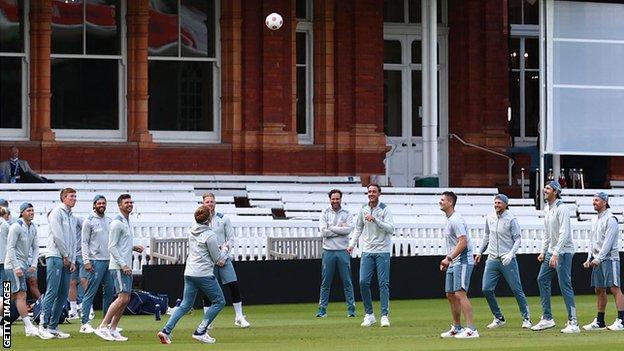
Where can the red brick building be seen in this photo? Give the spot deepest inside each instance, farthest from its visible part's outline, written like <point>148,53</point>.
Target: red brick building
<point>205,87</point>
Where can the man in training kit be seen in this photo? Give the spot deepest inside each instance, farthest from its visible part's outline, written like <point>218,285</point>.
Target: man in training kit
<point>225,273</point>
<point>502,240</point>
<point>60,263</point>
<point>22,238</point>
<point>96,259</point>
<point>376,226</point>
<point>203,255</point>
<point>335,225</point>
<point>604,258</point>
<point>556,256</point>
<point>120,248</point>
<point>458,265</point>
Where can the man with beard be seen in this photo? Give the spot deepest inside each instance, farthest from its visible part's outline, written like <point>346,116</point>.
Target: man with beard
<point>96,259</point>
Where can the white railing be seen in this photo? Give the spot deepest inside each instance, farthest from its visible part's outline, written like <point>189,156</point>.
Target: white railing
<point>410,239</point>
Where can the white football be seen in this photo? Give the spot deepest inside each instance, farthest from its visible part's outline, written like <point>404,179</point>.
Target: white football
<point>274,21</point>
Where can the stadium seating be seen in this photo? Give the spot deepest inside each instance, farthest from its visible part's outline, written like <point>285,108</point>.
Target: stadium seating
<point>164,206</point>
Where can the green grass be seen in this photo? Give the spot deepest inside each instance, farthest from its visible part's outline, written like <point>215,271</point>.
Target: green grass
<point>416,325</point>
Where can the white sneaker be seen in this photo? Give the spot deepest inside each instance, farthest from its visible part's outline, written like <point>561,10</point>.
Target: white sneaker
<point>496,323</point>
<point>451,332</point>
<point>571,328</point>
<point>593,325</point>
<point>73,316</point>
<point>45,334</point>
<point>117,336</point>
<point>204,338</point>
<point>385,322</point>
<point>32,331</point>
<point>59,334</point>
<point>103,333</point>
<point>544,324</point>
<point>617,325</point>
<point>86,329</point>
<point>526,324</point>
<point>241,322</point>
<point>369,320</point>
<point>467,333</point>
<point>164,338</point>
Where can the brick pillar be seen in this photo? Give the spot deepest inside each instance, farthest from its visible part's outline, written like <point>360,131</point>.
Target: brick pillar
<point>40,47</point>
<point>479,95</point>
<point>251,104</point>
<point>231,80</point>
<point>324,100</point>
<point>138,25</point>
<point>277,69</point>
<point>367,134</point>
<point>278,130</point>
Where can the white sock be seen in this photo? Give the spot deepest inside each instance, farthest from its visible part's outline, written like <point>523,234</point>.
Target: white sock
<point>238,308</point>
<point>80,306</point>
<point>73,306</point>
<point>27,322</point>
<point>206,309</point>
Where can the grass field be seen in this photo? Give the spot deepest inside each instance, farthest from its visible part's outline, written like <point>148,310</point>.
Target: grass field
<point>416,325</point>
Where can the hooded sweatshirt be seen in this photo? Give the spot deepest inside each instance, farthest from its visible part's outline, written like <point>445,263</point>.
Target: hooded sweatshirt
<point>62,236</point>
<point>94,242</point>
<point>376,235</point>
<point>120,243</point>
<point>604,243</point>
<point>502,235</point>
<point>557,236</point>
<point>22,239</point>
<point>203,251</point>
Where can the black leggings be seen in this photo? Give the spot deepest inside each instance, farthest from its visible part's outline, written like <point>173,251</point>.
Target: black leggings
<point>234,293</point>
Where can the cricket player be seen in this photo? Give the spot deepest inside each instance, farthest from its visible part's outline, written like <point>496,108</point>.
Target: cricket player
<point>376,226</point>
<point>60,263</point>
<point>96,260</point>
<point>22,238</point>
<point>556,257</point>
<point>335,225</point>
<point>603,257</point>
<point>501,242</point>
<point>204,254</point>
<point>120,247</point>
<point>458,265</point>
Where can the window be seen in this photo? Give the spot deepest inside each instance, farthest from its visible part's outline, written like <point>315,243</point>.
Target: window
<point>305,87</point>
<point>183,70</point>
<point>409,11</point>
<point>87,75</point>
<point>402,63</point>
<point>524,69</point>
<point>13,70</point>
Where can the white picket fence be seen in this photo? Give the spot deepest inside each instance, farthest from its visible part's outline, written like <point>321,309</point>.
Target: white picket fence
<point>410,239</point>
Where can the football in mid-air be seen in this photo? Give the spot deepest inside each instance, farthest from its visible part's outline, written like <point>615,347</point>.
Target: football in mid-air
<point>274,21</point>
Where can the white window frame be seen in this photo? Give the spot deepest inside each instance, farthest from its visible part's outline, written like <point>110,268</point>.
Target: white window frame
<point>442,5</point>
<point>119,134</point>
<point>523,32</point>
<point>306,26</point>
<point>179,136</point>
<point>23,133</point>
